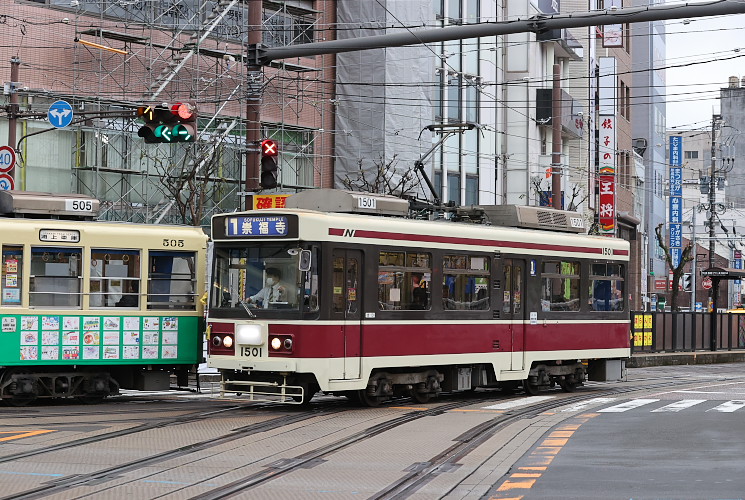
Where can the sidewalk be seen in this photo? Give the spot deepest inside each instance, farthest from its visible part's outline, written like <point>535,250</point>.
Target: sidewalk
<point>643,359</point>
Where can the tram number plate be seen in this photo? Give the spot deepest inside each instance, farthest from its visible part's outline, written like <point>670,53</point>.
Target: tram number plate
<point>252,352</point>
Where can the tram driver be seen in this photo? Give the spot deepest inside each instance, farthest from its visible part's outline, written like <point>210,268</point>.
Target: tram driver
<point>273,291</point>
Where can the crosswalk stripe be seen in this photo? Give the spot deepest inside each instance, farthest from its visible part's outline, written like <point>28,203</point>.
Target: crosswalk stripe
<point>518,402</point>
<point>590,402</point>
<point>628,405</point>
<point>679,405</point>
<point>728,407</point>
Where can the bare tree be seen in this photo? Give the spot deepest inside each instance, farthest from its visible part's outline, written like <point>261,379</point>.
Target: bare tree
<point>685,257</point>
<point>190,183</point>
<point>383,178</point>
<point>575,198</point>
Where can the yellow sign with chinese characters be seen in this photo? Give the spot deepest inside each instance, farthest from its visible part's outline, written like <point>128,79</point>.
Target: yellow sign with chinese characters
<point>263,201</point>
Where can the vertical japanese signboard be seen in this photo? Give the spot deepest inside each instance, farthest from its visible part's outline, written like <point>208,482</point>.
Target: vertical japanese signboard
<point>607,146</point>
<point>676,198</point>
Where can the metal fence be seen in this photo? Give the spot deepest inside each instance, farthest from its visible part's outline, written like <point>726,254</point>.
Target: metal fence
<point>685,331</point>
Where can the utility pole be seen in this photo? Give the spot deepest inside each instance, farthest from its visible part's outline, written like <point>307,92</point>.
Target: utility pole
<point>556,138</point>
<point>15,63</point>
<point>254,73</point>
<point>715,121</point>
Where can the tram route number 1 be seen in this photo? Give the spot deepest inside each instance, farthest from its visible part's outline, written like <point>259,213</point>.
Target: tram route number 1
<point>252,352</point>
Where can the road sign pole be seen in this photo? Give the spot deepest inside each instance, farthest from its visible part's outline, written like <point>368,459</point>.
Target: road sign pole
<point>15,63</point>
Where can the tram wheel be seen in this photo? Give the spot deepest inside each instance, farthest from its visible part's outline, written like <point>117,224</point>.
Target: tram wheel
<point>16,401</point>
<point>531,389</point>
<point>308,392</point>
<point>367,400</point>
<point>420,397</point>
<point>568,386</point>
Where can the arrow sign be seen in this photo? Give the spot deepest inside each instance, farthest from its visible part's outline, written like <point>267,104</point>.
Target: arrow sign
<point>60,114</point>
<point>6,183</point>
<point>7,158</point>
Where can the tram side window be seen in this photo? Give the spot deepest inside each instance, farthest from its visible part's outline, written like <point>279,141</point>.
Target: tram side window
<point>404,280</point>
<point>171,280</point>
<point>560,286</point>
<point>606,287</point>
<point>12,275</point>
<point>465,282</point>
<point>56,279</point>
<point>115,278</point>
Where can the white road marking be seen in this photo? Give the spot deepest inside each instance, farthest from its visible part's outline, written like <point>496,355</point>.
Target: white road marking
<point>518,402</point>
<point>628,405</point>
<point>584,404</point>
<point>679,405</point>
<point>728,407</point>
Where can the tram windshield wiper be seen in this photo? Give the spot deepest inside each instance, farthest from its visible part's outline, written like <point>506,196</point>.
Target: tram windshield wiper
<point>245,306</point>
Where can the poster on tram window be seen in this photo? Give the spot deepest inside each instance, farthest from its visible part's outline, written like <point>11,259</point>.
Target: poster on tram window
<point>9,325</point>
<point>29,323</point>
<point>50,353</point>
<point>111,352</point>
<point>170,338</point>
<point>29,338</point>
<point>131,323</point>
<point>11,296</point>
<point>71,322</point>
<point>50,338</point>
<point>150,323</point>
<point>111,323</point>
<point>50,322</point>
<point>170,352</point>
<point>111,338</point>
<point>131,352</point>
<point>29,353</point>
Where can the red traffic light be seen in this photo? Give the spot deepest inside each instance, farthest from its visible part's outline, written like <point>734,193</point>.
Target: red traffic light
<point>269,148</point>
<point>183,110</point>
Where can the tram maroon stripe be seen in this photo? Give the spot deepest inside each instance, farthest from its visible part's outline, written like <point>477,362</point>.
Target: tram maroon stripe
<point>411,339</point>
<point>384,235</point>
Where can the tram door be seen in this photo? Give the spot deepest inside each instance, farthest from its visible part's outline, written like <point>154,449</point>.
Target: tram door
<point>513,308</point>
<point>347,306</point>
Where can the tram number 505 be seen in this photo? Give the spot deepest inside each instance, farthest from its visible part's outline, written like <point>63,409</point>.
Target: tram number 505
<point>252,352</point>
<point>172,243</point>
<point>78,205</point>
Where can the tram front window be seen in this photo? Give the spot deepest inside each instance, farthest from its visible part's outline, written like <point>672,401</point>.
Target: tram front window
<point>264,277</point>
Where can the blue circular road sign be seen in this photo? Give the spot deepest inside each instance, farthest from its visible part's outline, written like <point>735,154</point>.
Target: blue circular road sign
<point>60,114</point>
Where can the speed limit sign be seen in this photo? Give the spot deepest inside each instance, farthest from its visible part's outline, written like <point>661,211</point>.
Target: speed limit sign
<point>7,158</point>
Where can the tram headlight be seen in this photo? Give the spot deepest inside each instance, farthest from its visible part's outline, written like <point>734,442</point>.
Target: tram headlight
<point>276,343</point>
<point>248,335</point>
<point>228,342</point>
<point>216,341</point>
<point>288,344</point>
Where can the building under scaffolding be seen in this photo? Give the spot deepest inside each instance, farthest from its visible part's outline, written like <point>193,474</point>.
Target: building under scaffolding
<point>107,57</point>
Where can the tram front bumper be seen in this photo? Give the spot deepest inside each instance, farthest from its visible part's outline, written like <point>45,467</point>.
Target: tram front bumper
<point>243,364</point>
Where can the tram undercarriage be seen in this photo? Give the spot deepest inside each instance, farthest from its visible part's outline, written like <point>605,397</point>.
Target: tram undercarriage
<point>19,386</point>
<point>421,384</point>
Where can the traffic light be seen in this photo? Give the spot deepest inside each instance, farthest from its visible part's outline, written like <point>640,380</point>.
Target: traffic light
<point>687,282</point>
<point>269,151</point>
<point>168,123</point>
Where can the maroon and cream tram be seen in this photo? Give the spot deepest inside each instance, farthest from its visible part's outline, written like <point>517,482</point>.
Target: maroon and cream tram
<point>341,292</point>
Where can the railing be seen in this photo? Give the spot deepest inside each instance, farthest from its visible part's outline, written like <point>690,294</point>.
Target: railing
<point>685,331</point>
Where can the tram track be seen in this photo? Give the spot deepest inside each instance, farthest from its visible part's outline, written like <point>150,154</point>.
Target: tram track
<point>467,442</point>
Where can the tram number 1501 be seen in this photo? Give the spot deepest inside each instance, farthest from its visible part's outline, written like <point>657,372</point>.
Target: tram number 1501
<point>252,352</point>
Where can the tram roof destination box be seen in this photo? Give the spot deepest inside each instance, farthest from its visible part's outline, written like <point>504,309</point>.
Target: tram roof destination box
<point>63,206</point>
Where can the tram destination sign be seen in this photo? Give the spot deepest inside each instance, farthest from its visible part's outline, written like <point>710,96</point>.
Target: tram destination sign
<point>248,226</point>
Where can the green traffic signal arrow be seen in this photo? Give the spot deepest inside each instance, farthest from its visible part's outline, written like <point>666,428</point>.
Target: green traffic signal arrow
<point>164,132</point>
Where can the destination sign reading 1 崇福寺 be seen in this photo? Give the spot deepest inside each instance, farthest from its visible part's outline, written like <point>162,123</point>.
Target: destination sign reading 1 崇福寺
<point>257,226</point>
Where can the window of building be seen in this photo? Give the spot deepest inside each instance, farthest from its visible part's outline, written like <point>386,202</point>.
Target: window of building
<point>465,282</point>
<point>454,187</point>
<point>472,190</point>
<point>404,280</point>
<point>56,279</point>
<point>114,278</point>
<point>690,155</point>
<point>172,280</point>
<point>454,94</point>
<point>606,287</point>
<point>281,29</point>
<point>560,286</point>
<point>11,285</point>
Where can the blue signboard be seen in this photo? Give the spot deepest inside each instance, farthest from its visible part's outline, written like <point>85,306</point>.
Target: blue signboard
<point>676,210</point>
<point>675,253</point>
<point>676,150</point>
<point>256,226</point>
<point>676,181</point>
<point>60,114</point>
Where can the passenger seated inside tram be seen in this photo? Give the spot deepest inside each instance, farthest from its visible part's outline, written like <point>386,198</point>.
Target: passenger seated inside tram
<point>129,297</point>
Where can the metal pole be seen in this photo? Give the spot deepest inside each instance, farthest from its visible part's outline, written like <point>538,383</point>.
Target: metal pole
<point>253,102</point>
<point>533,24</point>
<point>694,277</point>
<point>556,138</point>
<point>712,234</point>
<point>13,109</point>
